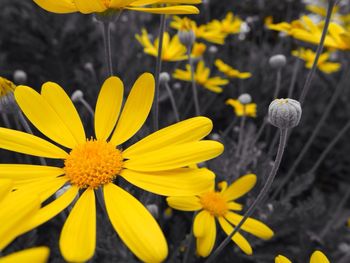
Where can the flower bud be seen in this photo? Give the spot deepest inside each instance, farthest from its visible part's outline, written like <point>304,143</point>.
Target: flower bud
<point>187,37</point>
<point>278,61</point>
<point>77,95</point>
<point>213,49</point>
<point>285,113</point>
<point>153,209</point>
<point>164,77</point>
<point>245,98</point>
<point>20,76</point>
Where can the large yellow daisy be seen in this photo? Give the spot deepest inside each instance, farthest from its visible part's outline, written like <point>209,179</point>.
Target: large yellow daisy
<point>99,6</point>
<point>158,163</point>
<point>221,205</point>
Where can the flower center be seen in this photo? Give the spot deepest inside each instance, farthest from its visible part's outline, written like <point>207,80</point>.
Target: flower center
<point>214,203</point>
<point>93,164</point>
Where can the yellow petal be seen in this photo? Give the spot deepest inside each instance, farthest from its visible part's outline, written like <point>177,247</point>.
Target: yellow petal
<point>318,257</point>
<point>43,116</point>
<point>150,2</point>
<point>59,7</point>
<point>234,206</point>
<point>239,187</point>
<point>31,255</point>
<point>251,226</point>
<point>108,107</point>
<point>136,109</point>
<point>185,131</point>
<point>179,182</point>
<point>22,142</point>
<point>135,225</point>
<point>27,173</point>
<point>91,6</point>
<point>78,236</point>
<point>282,259</point>
<point>171,10</point>
<point>184,203</point>
<point>176,156</point>
<point>56,97</point>
<point>120,3</point>
<point>204,229</point>
<point>5,187</point>
<point>52,209</point>
<point>241,242</point>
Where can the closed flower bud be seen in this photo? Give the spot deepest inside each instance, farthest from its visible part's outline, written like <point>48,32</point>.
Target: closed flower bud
<point>164,77</point>
<point>20,76</point>
<point>245,98</point>
<point>278,61</point>
<point>285,113</point>
<point>187,37</point>
<point>213,49</point>
<point>153,209</point>
<point>77,95</point>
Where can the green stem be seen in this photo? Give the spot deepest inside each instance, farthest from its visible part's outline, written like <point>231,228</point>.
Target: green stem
<point>194,87</point>
<point>260,197</point>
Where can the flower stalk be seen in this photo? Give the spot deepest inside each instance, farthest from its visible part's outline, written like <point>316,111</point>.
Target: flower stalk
<point>194,86</point>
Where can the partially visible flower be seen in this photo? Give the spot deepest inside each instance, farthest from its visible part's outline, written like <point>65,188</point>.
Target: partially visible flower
<point>172,50</point>
<point>7,103</point>
<point>230,71</point>
<point>323,64</point>
<point>6,87</point>
<point>100,6</point>
<point>35,254</point>
<point>248,110</point>
<point>202,77</point>
<point>316,257</point>
<point>158,163</point>
<point>221,205</point>
<point>229,25</point>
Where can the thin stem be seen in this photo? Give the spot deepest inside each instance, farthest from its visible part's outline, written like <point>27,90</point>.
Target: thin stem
<point>241,132</point>
<point>190,242</point>
<point>309,142</point>
<point>157,72</point>
<point>173,102</point>
<point>278,83</point>
<point>107,45</point>
<point>307,85</point>
<point>194,87</point>
<point>294,77</point>
<point>260,197</point>
<point>87,106</point>
<point>260,131</point>
<point>229,128</point>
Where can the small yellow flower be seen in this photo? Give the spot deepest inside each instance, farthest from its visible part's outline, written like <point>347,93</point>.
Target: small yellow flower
<point>321,10</point>
<point>6,87</point>
<point>202,77</point>
<point>316,257</point>
<point>221,206</point>
<point>100,6</point>
<point>231,72</point>
<point>158,163</point>
<point>323,65</point>
<point>201,32</point>
<point>249,110</point>
<point>229,25</point>
<point>172,50</point>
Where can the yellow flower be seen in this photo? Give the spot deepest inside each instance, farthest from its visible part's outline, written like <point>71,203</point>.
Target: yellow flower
<point>321,10</point>
<point>316,257</point>
<point>221,205</point>
<point>172,50</point>
<point>202,77</point>
<point>249,111</point>
<point>155,164</point>
<point>16,208</point>
<point>201,32</point>
<point>6,87</point>
<point>229,25</point>
<point>231,72</point>
<point>100,6</point>
<point>309,56</point>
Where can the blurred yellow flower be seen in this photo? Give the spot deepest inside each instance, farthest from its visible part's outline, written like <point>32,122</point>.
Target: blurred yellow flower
<point>321,10</point>
<point>229,25</point>
<point>221,206</point>
<point>248,110</point>
<point>309,56</point>
<point>316,257</point>
<point>231,72</point>
<point>100,6</point>
<point>201,32</point>
<point>158,163</point>
<point>202,77</point>
<point>6,87</point>
<point>172,50</point>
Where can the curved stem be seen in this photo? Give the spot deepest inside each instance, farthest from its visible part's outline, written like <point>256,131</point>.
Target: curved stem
<point>107,44</point>
<point>157,72</point>
<point>88,107</point>
<point>241,132</point>
<point>194,87</point>
<point>173,102</point>
<point>264,191</point>
<point>294,77</point>
<point>278,83</point>
<point>306,88</point>
<point>260,131</point>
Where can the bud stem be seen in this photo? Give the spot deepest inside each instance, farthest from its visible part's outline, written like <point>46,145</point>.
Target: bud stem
<point>194,87</point>
<point>173,102</point>
<point>107,45</point>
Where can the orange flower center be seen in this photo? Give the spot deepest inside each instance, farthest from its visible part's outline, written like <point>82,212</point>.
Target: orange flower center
<point>93,164</point>
<point>214,203</point>
<point>106,3</point>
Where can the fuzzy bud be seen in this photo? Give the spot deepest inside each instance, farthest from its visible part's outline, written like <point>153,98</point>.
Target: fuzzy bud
<point>164,77</point>
<point>278,61</point>
<point>19,76</point>
<point>213,49</point>
<point>285,113</point>
<point>245,98</point>
<point>77,95</point>
<point>187,37</point>
<point>153,209</point>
